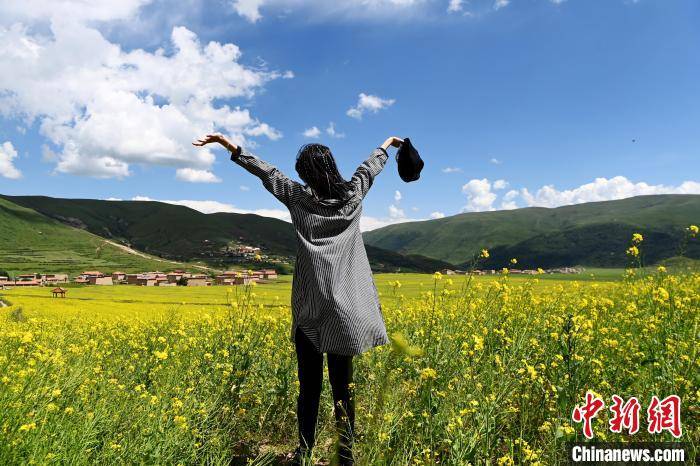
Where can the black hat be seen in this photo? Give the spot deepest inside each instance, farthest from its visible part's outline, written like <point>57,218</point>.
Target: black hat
<point>409,161</point>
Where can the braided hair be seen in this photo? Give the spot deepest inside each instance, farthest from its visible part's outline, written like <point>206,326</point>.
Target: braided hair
<point>316,167</point>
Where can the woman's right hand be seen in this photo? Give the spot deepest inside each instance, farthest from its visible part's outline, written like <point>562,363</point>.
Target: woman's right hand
<point>216,137</point>
<point>392,141</point>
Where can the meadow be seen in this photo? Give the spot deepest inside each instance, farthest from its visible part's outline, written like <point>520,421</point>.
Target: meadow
<point>480,370</point>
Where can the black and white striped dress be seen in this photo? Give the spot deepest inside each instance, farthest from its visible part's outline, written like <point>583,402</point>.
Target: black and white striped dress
<point>334,298</point>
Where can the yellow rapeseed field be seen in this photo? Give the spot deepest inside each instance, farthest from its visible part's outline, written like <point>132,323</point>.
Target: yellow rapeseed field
<point>480,370</point>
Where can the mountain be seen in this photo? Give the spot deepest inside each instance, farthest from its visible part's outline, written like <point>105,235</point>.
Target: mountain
<point>592,234</point>
<point>33,243</point>
<point>182,234</point>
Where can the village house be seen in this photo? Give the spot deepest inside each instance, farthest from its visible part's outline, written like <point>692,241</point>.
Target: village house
<point>176,276</point>
<point>146,280</point>
<point>94,277</point>
<point>28,277</point>
<point>269,274</point>
<point>104,280</point>
<point>54,278</point>
<point>198,280</point>
<point>118,277</point>
<point>227,278</point>
<point>26,280</point>
<point>243,280</point>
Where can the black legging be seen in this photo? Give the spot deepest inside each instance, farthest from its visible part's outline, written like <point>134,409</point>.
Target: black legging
<point>310,367</point>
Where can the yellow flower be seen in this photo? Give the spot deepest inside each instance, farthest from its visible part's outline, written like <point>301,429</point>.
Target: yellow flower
<point>478,343</point>
<point>484,254</point>
<point>161,355</point>
<point>428,373</point>
<point>505,461</point>
<point>27,427</point>
<point>437,276</point>
<point>504,270</point>
<point>514,261</point>
<point>693,229</point>
<point>181,422</point>
<point>661,269</point>
<point>637,238</point>
<point>633,251</point>
<point>531,371</point>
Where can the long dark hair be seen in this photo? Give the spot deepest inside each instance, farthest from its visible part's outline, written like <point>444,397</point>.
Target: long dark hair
<point>316,167</point>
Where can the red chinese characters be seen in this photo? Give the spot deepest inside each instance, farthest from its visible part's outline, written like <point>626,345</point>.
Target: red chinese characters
<point>662,415</point>
<point>587,413</point>
<point>624,416</point>
<point>665,415</point>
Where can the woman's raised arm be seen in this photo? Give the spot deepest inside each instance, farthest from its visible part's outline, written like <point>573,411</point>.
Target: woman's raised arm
<point>365,173</point>
<point>276,182</point>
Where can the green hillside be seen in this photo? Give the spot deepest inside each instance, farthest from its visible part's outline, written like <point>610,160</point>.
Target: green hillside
<point>31,242</point>
<point>183,234</point>
<point>593,234</point>
<point>166,230</point>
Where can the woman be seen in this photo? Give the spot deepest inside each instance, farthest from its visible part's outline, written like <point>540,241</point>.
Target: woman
<point>335,306</point>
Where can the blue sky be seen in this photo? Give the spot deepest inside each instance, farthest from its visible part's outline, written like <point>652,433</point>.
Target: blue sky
<point>512,104</point>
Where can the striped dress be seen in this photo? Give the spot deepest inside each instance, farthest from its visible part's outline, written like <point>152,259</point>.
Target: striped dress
<point>334,298</point>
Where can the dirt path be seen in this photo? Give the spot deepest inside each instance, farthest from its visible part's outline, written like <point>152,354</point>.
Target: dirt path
<point>146,256</point>
<point>2,303</point>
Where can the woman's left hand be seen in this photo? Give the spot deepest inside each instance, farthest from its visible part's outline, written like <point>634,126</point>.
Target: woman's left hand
<point>392,141</point>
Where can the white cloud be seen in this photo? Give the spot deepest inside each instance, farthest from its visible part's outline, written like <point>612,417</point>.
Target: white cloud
<point>437,214</point>
<point>312,132</point>
<point>210,207</point>
<point>7,167</point>
<point>500,184</point>
<point>244,188</point>
<point>397,196</point>
<point>479,195</point>
<point>495,161</point>
<point>263,129</point>
<point>93,10</point>
<point>396,212</point>
<point>455,6</point>
<point>192,175</point>
<point>103,108</point>
<point>366,9</point>
<point>332,132</point>
<point>368,103</point>
<point>508,202</point>
<point>249,9</point>
<point>498,4</point>
<point>452,170</point>
<point>602,189</point>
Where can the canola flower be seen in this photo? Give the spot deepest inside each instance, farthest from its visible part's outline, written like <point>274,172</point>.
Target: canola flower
<point>480,369</point>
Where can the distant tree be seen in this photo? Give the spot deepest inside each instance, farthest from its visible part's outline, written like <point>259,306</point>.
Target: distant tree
<point>4,273</point>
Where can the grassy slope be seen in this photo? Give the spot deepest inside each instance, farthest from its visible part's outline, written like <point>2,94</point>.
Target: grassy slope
<point>32,242</point>
<point>181,233</point>
<point>554,231</point>
<point>166,230</point>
